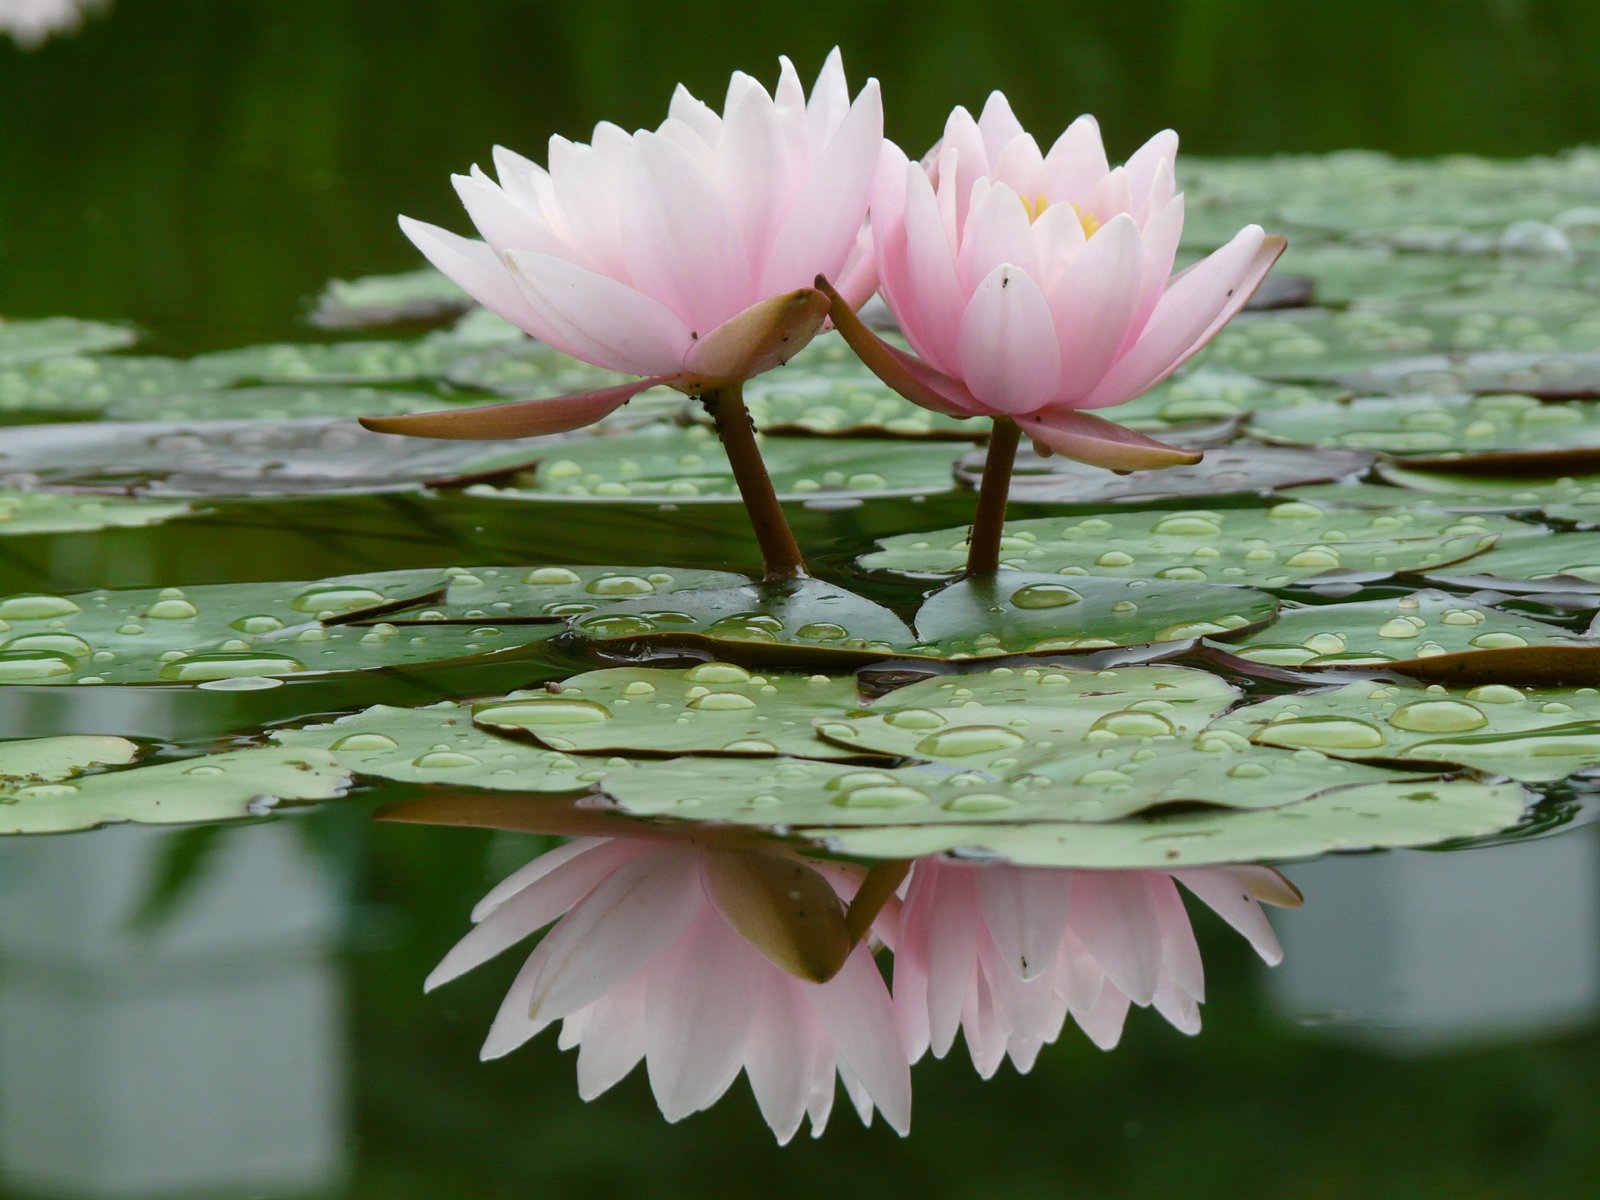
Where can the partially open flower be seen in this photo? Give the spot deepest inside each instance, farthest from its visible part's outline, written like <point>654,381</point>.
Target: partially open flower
<point>685,254</point>
<point>701,963</point>
<point>1005,954</point>
<point>1037,286</point>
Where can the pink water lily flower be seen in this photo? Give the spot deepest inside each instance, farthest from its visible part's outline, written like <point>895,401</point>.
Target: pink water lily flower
<point>1037,286</point>
<point>684,254</point>
<point>1004,954</point>
<point>669,953</point>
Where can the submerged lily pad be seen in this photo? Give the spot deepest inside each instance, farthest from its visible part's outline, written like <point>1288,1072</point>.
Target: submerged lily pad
<point>713,708</point>
<point>1270,547</point>
<point>1429,635</point>
<point>50,337</point>
<point>46,512</point>
<point>1122,805</point>
<point>1237,469</point>
<point>438,744</point>
<point>685,465</point>
<point>388,300</point>
<point>1534,735</point>
<point>1438,426</point>
<point>1024,612</point>
<point>218,787</point>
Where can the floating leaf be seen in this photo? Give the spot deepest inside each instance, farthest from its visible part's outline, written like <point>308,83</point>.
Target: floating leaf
<point>684,465</point>
<point>51,337</point>
<point>218,787</point>
<point>1236,469</point>
<point>1561,562</point>
<point>713,708</point>
<point>79,386</point>
<point>52,759</point>
<point>1433,427</point>
<point>989,718</point>
<point>544,594</point>
<point>276,403</point>
<point>1212,394</point>
<point>1270,547</point>
<point>1541,373</point>
<point>1481,491</point>
<point>532,367</point>
<point>1023,612</point>
<point>43,512</point>
<point>1533,735</point>
<point>440,745</point>
<point>422,295</point>
<point>340,362</point>
<point>1429,635</point>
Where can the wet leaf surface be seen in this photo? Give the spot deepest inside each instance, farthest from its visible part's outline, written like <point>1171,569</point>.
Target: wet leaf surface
<point>51,337</point>
<point>47,512</point>
<point>388,300</point>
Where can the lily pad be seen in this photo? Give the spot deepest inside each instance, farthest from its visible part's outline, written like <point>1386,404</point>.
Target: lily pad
<point>1533,735</point>
<point>241,458</point>
<point>990,718</point>
<point>50,337</point>
<point>1123,805</point>
<point>52,759</point>
<point>1541,373</point>
<point>1024,612</point>
<point>45,512</point>
<point>218,787</point>
<point>542,594</point>
<point>1437,426</point>
<point>713,708</point>
<point>531,367</point>
<point>1268,547</point>
<point>1481,491</point>
<point>1238,469</point>
<point>279,403</point>
<point>85,386</point>
<point>686,465</point>
<point>1428,635</point>
<point>339,362</point>
<point>438,744</point>
<point>421,295</point>
<point>1212,393</point>
<point>1562,562</point>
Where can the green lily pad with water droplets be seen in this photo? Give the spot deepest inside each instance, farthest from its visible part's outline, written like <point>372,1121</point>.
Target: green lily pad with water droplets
<point>272,403</point>
<point>530,367</point>
<point>1550,376</point>
<point>421,295</point>
<point>218,787</point>
<point>1481,491</point>
<point>543,594</point>
<point>713,708</point>
<point>52,759</point>
<point>340,362</point>
<point>1269,547</point>
<point>85,386</point>
<point>1023,612</point>
<point>439,744</point>
<point>989,718</point>
<point>51,337</point>
<point>1428,635</point>
<point>688,465</point>
<point>1445,427</point>
<point>1532,735</point>
<point>1127,804</point>
<point>1237,469</point>
<point>1561,562</point>
<point>1215,393</point>
<point>51,512</point>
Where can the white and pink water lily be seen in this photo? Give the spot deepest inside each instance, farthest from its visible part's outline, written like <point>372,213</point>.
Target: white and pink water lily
<point>1038,286</point>
<point>1005,954</point>
<point>701,963</point>
<point>684,254</point>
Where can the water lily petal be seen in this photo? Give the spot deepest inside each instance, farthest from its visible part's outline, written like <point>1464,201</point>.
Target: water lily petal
<point>998,125</point>
<point>504,222</point>
<point>1144,170</point>
<point>1025,911</point>
<point>1077,161</point>
<point>598,319</point>
<point>1086,438</point>
<point>854,1006</point>
<point>1222,892</point>
<point>752,170</point>
<point>1180,953</point>
<point>1161,236</point>
<point>613,1036</point>
<point>997,231</point>
<point>780,1053</point>
<point>1094,302</point>
<point>475,268</point>
<point>1114,916</point>
<point>1010,357</point>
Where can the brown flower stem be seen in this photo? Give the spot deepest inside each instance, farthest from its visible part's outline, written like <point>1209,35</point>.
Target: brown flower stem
<point>780,553</point>
<point>983,546</point>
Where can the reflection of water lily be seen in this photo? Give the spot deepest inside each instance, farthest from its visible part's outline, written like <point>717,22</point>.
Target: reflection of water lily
<point>31,23</point>
<point>654,956</point>
<point>1035,287</point>
<point>1005,954</point>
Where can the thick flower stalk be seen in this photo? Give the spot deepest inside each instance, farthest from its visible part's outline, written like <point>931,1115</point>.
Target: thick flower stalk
<point>701,963</point>
<point>1037,287</point>
<point>684,255</point>
<point>1005,954</point>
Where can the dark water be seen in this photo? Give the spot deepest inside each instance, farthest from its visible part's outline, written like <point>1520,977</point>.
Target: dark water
<point>202,167</point>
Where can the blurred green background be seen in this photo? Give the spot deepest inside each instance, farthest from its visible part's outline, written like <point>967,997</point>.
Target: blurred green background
<point>203,166</point>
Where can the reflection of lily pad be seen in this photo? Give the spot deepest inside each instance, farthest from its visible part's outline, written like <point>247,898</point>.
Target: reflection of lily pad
<point>1434,426</point>
<point>713,708</point>
<point>46,512</point>
<point>50,337</point>
<point>279,403</point>
<point>218,787</point>
<point>1268,547</point>
<point>1531,735</point>
<point>1429,635</point>
<point>1123,805</point>
<point>439,744</point>
<point>689,464</point>
<point>990,718</point>
<point>1018,612</point>
<point>388,299</point>
<point>1225,470</point>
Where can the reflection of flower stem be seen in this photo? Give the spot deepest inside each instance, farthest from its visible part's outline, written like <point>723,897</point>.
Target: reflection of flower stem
<point>983,547</point>
<point>780,554</point>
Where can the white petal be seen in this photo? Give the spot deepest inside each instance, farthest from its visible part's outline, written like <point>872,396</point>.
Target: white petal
<point>598,319</point>
<point>1113,917</point>
<point>613,1035</point>
<point>1093,304</point>
<point>1025,912</point>
<point>1077,161</point>
<point>854,1005</point>
<point>1227,897</point>
<point>1010,358</point>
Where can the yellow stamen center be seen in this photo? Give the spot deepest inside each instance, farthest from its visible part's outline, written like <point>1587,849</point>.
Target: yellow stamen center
<point>1090,222</point>
<point>1035,206</point>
